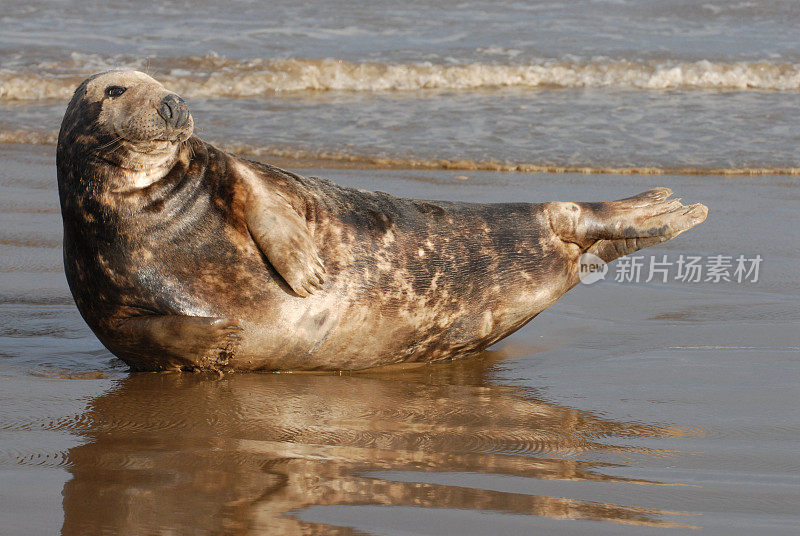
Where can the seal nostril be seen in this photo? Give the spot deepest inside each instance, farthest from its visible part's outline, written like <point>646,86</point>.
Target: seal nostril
<point>166,110</point>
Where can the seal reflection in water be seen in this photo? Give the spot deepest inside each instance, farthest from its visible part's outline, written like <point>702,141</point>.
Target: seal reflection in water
<point>183,454</point>
<point>181,256</point>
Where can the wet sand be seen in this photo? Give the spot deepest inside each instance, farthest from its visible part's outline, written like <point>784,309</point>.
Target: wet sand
<point>626,408</point>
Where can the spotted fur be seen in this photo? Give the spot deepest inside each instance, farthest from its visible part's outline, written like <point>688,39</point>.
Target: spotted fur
<point>203,260</point>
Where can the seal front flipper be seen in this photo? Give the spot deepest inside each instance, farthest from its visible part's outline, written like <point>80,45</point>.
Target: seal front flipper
<point>175,342</point>
<point>283,237</point>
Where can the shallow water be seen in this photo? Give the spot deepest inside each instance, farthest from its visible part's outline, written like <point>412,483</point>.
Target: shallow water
<point>664,85</point>
<point>661,407</point>
<point>626,408</point>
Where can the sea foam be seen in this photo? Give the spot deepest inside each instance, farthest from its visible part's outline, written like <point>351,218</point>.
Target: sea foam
<point>213,76</point>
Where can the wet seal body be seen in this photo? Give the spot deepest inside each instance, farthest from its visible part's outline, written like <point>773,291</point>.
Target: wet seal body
<point>181,256</point>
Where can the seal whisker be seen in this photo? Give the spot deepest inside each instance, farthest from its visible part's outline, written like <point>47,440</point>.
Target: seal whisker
<point>118,139</point>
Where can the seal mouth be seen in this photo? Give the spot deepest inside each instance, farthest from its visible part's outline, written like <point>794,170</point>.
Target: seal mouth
<point>154,146</point>
<point>162,138</point>
<point>174,137</point>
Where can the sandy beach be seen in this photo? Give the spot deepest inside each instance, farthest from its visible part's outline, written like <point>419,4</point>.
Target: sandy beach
<point>665,405</point>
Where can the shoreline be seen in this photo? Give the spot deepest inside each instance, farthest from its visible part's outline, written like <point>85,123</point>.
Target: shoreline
<point>321,159</point>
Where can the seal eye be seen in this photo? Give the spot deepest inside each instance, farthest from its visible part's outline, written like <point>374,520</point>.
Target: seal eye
<point>115,91</point>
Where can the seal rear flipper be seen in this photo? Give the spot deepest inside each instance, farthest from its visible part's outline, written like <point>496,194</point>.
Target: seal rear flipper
<point>668,226</point>
<point>283,237</point>
<point>175,342</point>
<point>616,228</point>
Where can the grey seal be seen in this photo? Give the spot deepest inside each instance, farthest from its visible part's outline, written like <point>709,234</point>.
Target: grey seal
<point>181,256</point>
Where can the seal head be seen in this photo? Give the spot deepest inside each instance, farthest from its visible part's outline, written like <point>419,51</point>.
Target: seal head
<point>126,119</point>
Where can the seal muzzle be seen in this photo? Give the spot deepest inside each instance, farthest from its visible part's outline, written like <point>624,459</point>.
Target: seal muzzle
<point>174,111</point>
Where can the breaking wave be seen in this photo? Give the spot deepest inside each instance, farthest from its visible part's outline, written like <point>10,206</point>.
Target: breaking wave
<point>214,76</point>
